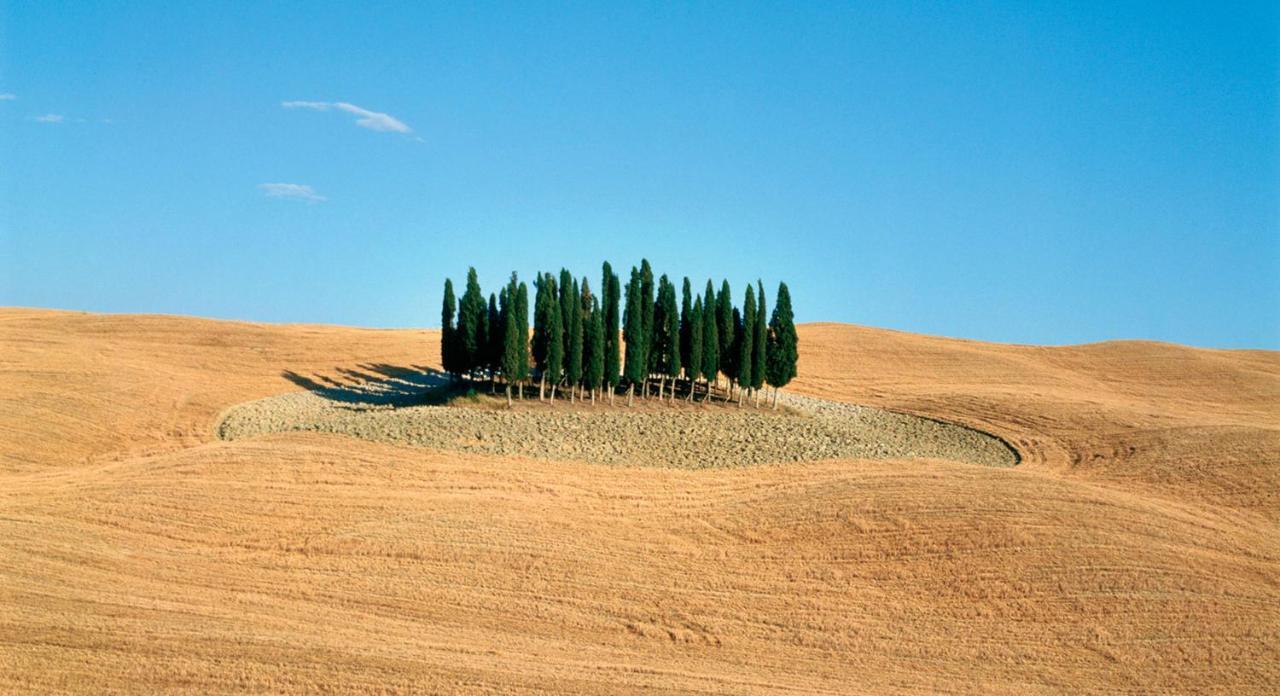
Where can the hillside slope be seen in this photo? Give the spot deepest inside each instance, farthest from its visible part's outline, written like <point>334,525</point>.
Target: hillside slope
<point>1137,547</point>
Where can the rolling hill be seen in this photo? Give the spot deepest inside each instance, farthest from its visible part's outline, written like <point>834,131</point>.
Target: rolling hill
<point>1136,547</point>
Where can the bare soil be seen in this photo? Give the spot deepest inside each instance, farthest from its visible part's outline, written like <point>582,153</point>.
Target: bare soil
<point>1134,549</point>
<point>681,435</point>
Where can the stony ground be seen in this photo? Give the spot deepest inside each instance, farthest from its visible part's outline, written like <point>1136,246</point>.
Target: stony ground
<point>687,437</point>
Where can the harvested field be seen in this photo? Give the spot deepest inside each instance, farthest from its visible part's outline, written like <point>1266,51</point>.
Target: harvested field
<point>686,437</point>
<point>1135,548</point>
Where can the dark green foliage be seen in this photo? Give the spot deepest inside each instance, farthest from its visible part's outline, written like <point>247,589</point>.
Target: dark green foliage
<point>511,337</point>
<point>686,338</point>
<point>783,342</point>
<point>759,342</point>
<point>594,345</point>
<point>646,308</point>
<point>746,338</point>
<point>693,369</point>
<point>495,335</point>
<point>449,332</point>
<point>555,334</point>
<point>724,330</point>
<point>471,314</point>
<point>666,331</point>
<point>634,370</point>
<point>541,317</point>
<point>612,353</point>
<point>576,338</point>
<point>573,366</point>
<point>710,337</point>
<point>522,331</point>
<point>568,300</point>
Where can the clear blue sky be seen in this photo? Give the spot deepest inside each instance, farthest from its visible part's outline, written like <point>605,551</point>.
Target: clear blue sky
<point>1026,172</point>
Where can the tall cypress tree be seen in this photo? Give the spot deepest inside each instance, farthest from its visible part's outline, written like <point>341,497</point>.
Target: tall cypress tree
<point>783,343</point>
<point>541,320</point>
<point>710,339</point>
<point>646,308</point>
<point>555,336</point>
<point>686,306</point>
<point>746,342</point>
<point>693,369</point>
<point>510,337</point>
<point>567,302</point>
<point>594,348</point>
<point>673,360</point>
<point>573,370</point>
<point>522,332</point>
<point>449,332</point>
<point>494,334</point>
<point>470,312</point>
<point>612,351</point>
<point>759,345</point>
<point>633,336</point>
<point>658,338</point>
<point>724,330</point>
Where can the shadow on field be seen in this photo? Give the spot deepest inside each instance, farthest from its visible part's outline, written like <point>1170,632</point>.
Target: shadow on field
<point>378,384</point>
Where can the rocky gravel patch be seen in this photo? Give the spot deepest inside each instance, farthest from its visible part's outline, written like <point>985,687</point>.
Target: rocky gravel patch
<point>687,437</point>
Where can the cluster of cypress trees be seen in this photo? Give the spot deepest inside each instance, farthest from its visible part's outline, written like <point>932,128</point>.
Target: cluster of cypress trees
<point>581,342</point>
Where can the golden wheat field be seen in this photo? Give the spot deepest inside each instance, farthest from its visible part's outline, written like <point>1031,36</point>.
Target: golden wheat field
<point>1136,548</point>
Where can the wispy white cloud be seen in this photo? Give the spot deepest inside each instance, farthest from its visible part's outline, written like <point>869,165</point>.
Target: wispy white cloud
<point>373,120</point>
<point>300,192</point>
<point>49,118</point>
<point>8,97</point>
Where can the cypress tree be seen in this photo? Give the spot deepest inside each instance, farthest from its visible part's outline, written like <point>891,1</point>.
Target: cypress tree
<point>710,339</point>
<point>573,369</point>
<point>586,301</point>
<point>522,333</point>
<point>541,319</point>
<point>633,336</point>
<point>495,335</point>
<point>594,348</point>
<point>759,342</point>
<point>555,336</point>
<point>724,331</point>
<point>448,332</point>
<point>567,302</point>
<point>783,344</point>
<point>746,342</point>
<point>470,313</point>
<point>686,306</point>
<point>612,351</point>
<point>646,308</point>
<point>510,337</point>
<point>658,338</point>
<point>693,369</point>
<point>670,333</point>
<point>732,364</point>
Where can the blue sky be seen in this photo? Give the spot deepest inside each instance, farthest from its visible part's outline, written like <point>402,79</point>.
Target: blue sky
<point>1026,172</point>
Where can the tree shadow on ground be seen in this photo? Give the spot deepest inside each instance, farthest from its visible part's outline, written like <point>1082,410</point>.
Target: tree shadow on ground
<point>379,384</point>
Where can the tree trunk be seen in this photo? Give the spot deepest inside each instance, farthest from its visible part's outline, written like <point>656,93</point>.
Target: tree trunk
<point>631,392</point>
<point>509,395</point>
<point>613,388</point>
<point>520,391</point>
<point>740,390</point>
<point>756,393</point>
<point>775,398</point>
<point>542,387</point>
<point>553,392</point>
<point>692,387</point>
<point>662,387</point>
